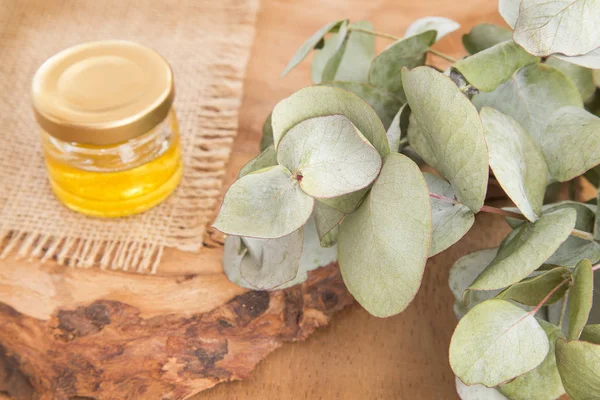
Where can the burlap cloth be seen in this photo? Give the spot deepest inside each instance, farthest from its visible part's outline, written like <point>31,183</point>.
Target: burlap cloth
<point>207,43</point>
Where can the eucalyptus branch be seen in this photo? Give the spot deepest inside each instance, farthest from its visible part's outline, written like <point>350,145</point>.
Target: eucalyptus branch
<point>374,33</point>
<point>442,55</point>
<point>511,214</point>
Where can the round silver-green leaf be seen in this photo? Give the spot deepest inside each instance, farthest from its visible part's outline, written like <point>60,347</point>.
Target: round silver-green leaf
<point>383,102</point>
<point>581,77</point>
<point>451,221</point>
<point>581,298</point>
<point>265,204</point>
<point>319,101</point>
<point>313,256</point>
<point>326,219</point>
<point>571,143</point>
<point>543,382</point>
<point>408,52</point>
<point>531,95</point>
<point>579,367</point>
<point>530,245</point>
<point>484,36</point>
<point>495,342</point>
<point>569,27</point>
<point>532,291</point>
<point>442,25</point>
<point>477,392</point>
<point>329,156</point>
<point>446,131</point>
<point>267,158</point>
<point>270,263</point>
<point>383,246</point>
<point>516,160</point>
<point>489,68</point>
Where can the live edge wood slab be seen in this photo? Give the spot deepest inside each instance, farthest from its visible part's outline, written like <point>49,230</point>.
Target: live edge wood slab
<point>69,333</point>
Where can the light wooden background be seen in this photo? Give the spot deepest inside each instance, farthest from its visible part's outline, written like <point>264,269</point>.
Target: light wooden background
<point>358,356</point>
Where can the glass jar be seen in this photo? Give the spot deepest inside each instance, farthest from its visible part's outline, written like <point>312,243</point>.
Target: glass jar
<point>109,131</point>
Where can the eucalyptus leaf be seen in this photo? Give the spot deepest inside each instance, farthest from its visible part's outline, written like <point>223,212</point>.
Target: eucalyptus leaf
<point>329,156</point>
<point>270,263</point>
<point>264,160</point>
<point>409,52</point>
<point>484,36</point>
<point>589,60</point>
<point>265,204</point>
<point>323,55</point>
<point>596,77</point>
<point>569,27</point>
<point>442,25</point>
<point>496,341</point>
<point>509,9</point>
<point>591,333</point>
<point>581,298</point>
<point>530,246</point>
<point>585,214</point>
<point>313,256</point>
<point>351,60</point>
<point>489,68</point>
<point>579,367</point>
<point>319,101</point>
<point>477,392</point>
<point>383,246</point>
<point>330,239</point>
<point>463,273</point>
<point>450,221</point>
<point>267,134</point>
<point>445,129</point>
<point>326,219</point>
<point>531,291</point>
<point>516,160</point>
<point>394,134</point>
<point>571,143</point>
<point>543,382</point>
<point>309,45</point>
<point>581,77</point>
<point>531,95</point>
<point>347,203</point>
<point>383,102</point>
<point>398,129</point>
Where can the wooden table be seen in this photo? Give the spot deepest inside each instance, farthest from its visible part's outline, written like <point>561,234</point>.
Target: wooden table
<point>358,356</point>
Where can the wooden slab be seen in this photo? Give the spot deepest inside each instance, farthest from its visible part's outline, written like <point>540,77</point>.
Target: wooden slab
<point>173,335</point>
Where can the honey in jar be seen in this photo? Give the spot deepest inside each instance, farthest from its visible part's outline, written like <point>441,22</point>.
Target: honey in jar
<point>109,131</point>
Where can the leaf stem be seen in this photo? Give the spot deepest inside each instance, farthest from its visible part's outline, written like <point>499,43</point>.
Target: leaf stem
<point>563,309</point>
<point>374,33</point>
<point>403,141</point>
<point>511,214</point>
<point>442,55</point>
<point>596,267</point>
<point>499,211</point>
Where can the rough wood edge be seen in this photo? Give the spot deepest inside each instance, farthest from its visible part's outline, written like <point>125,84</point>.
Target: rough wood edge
<point>107,350</point>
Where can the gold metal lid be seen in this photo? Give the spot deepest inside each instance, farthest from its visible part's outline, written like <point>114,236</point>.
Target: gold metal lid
<point>103,92</point>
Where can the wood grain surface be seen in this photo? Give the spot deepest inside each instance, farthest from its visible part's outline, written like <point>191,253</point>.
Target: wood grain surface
<point>358,356</point>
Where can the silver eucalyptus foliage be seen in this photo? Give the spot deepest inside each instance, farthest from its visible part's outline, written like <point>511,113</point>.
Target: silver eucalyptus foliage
<point>337,180</point>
